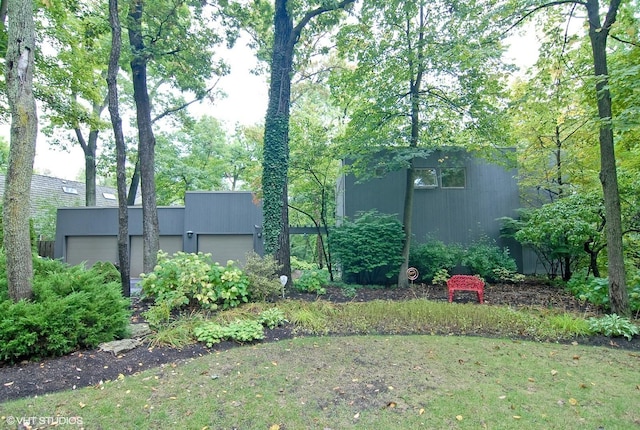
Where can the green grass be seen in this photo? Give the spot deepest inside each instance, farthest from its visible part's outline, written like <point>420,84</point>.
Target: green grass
<point>368,382</point>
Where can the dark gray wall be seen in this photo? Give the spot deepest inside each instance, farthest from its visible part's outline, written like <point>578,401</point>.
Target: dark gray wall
<point>451,215</point>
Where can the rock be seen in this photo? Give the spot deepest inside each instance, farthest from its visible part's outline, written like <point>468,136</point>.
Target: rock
<point>119,346</point>
<point>139,330</point>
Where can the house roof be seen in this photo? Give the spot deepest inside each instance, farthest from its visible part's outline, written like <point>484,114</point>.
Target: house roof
<point>47,191</point>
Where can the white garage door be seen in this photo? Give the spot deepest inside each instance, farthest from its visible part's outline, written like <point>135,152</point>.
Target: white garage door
<point>224,247</point>
<point>169,244</point>
<point>90,249</point>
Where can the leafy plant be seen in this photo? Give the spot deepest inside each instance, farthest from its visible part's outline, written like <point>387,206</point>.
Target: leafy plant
<point>272,317</point>
<point>193,280</point>
<point>482,257</point>
<point>312,281</point>
<point>592,290</point>
<point>368,249</point>
<point>239,330</point>
<point>262,273</point>
<point>441,277</point>
<point>433,256</point>
<point>614,325</point>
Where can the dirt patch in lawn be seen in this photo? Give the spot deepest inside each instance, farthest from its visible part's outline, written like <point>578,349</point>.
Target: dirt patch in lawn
<point>91,367</point>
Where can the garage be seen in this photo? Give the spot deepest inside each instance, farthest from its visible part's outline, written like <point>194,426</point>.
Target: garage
<point>224,247</point>
<point>91,249</point>
<point>168,244</point>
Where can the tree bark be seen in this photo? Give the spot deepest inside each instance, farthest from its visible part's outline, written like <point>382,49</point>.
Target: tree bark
<point>618,294</point>
<point>276,133</point>
<point>89,148</point>
<point>121,148</point>
<point>146,139</point>
<point>24,129</point>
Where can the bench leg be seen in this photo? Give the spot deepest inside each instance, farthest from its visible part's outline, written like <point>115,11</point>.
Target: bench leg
<point>481,296</point>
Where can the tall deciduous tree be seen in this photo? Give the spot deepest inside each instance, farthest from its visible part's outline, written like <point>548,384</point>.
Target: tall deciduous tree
<point>121,148</point>
<point>21,49</point>
<point>276,136</point>
<point>426,74</point>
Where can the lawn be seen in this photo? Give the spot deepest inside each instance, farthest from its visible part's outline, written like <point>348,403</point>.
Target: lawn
<point>369,382</point>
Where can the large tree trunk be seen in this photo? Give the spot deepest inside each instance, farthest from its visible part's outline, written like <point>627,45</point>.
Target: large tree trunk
<point>618,294</point>
<point>24,129</point>
<point>276,141</point>
<point>121,148</point>
<point>146,140</point>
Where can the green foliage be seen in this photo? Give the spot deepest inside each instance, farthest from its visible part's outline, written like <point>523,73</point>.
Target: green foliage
<point>72,308</point>
<point>441,277</point>
<point>194,281</point>
<point>483,257</point>
<point>613,325</point>
<point>262,274</point>
<point>596,291</point>
<point>298,264</point>
<point>312,281</point>
<point>272,317</point>
<point>368,249</point>
<point>433,256</point>
<point>239,331</point>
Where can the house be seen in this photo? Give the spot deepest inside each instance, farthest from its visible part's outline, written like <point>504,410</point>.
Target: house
<point>225,224</point>
<point>458,198</point>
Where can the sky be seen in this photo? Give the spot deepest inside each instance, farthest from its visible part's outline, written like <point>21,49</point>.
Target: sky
<point>246,103</point>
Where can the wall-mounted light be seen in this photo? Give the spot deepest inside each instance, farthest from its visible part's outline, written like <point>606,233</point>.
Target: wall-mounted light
<point>189,234</point>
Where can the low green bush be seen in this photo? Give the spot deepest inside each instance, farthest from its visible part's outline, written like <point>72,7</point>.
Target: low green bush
<point>262,273</point>
<point>72,308</point>
<point>596,291</point>
<point>486,259</point>
<point>241,331</point>
<point>188,280</point>
<point>312,281</point>
<point>433,256</point>
<point>614,325</point>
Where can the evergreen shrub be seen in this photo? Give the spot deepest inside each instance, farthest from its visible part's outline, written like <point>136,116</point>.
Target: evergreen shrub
<point>72,308</point>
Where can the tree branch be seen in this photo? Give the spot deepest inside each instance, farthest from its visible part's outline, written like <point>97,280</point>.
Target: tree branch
<point>315,12</point>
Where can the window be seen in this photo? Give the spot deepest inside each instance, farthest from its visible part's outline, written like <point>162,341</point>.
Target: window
<point>109,196</point>
<point>425,178</point>
<point>69,190</point>
<point>453,177</point>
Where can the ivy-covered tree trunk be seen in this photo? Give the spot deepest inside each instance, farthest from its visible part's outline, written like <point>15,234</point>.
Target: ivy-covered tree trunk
<point>146,140</point>
<point>276,141</point>
<point>24,129</point>
<point>116,122</point>
<point>618,294</point>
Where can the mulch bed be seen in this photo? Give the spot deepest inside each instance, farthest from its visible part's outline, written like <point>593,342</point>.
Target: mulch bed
<point>92,367</point>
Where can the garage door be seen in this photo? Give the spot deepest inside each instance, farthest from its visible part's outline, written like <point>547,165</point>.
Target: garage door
<point>91,249</point>
<point>224,247</point>
<point>169,244</point>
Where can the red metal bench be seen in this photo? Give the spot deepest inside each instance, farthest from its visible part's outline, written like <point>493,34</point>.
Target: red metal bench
<point>466,283</point>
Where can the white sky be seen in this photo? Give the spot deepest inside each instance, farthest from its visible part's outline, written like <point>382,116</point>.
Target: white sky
<point>246,103</point>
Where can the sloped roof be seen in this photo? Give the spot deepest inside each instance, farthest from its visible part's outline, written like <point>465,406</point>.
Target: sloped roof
<point>49,191</point>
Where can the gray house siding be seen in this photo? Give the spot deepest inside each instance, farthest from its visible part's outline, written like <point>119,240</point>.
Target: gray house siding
<point>452,215</point>
<point>227,224</point>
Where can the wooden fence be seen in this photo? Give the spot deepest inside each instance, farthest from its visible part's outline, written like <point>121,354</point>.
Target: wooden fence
<point>45,248</point>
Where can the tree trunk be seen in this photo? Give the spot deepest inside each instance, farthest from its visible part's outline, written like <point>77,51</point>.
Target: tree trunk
<point>135,181</point>
<point>89,149</point>
<point>121,148</point>
<point>276,141</point>
<point>618,294</point>
<point>146,140</point>
<point>24,129</point>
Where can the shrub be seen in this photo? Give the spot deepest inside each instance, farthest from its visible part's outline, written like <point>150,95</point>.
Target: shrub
<point>240,331</point>
<point>72,308</point>
<point>272,317</point>
<point>312,281</point>
<point>596,291</point>
<point>432,256</point>
<point>369,249</point>
<point>484,257</point>
<point>613,325</point>
<point>262,273</point>
<point>193,280</point>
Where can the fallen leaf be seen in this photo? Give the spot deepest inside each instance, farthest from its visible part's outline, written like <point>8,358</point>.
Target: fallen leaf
<point>421,411</point>
<point>516,417</point>
<point>554,372</point>
<point>120,376</point>
<point>459,417</point>
<point>82,405</point>
<point>274,363</point>
<point>531,380</point>
<point>391,404</point>
<point>576,357</point>
<point>573,402</point>
<point>356,416</point>
<point>502,397</point>
<point>275,427</point>
<point>8,384</point>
